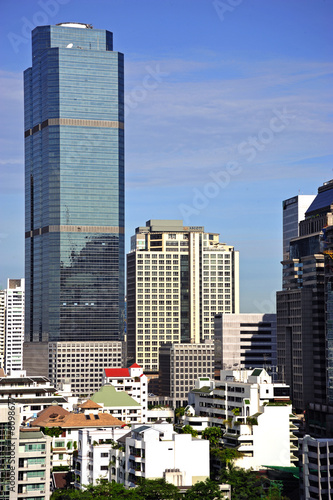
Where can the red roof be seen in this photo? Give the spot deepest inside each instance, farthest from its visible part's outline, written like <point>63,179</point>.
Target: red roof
<point>117,372</point>
<point>135,365</point>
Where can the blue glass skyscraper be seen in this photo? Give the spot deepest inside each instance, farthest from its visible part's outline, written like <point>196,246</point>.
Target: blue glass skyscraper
<point>74,185</point>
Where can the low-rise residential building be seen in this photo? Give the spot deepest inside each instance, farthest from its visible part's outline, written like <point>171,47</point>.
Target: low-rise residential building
<point>131,380</point>
<point>156,451</point>
<point>251,411</point>
<point>316,468</point>
<point>31,394</point>
<point>119,404</point>
<point>93,461</point>
<point>65,427</point>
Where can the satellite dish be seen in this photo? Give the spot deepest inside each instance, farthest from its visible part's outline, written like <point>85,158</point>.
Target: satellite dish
<point>69,46</point>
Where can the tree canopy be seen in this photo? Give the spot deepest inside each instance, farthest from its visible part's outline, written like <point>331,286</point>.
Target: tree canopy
<point>213,434</point>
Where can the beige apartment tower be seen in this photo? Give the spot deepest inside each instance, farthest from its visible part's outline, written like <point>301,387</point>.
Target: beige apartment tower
<point>178,278</point>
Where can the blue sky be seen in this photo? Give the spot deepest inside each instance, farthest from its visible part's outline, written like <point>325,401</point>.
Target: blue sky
<point>228,112</point>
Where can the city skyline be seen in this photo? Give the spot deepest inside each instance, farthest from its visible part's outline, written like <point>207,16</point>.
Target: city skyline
<point>227,114</point>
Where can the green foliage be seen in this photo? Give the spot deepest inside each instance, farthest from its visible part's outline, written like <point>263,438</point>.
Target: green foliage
<point>75,445</point>
<point>213,434</point>
<point>188,429</point>
<point>207,490</point>
<point>245,484</point>
<point>156,489</point>
<point>180,412</point>
<point>53,431</point>
<point>236,411</point>
<point>60,468</point>
<point>103,491</point>
<point>227,455</point>
<point>251,421</point>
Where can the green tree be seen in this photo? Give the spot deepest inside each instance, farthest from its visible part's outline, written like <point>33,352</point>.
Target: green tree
<point>156,489</point>
<point>103,491</point>
<point>227,455</point>
<point>245,484</point>
<point>188,429</point>
<point>207,490</point>
<point>213,434</point>
<point>179,412</point>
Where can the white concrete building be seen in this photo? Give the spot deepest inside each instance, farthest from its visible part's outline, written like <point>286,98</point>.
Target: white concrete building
<point>245,340</point>
<point>31,394</point>
<point>119,404</point>
<point>14,325</point>
<point>252,411</point>
<point>2,327</point>
<point>131,380</point>
<point>94,454</point>
<point>178,278</point>
<point>316,468</point>
<point>156,451</point>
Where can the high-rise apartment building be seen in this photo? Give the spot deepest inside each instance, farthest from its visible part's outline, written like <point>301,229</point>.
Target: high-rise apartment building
<point>14,325</point>
<point>178,278</point>
<point>74,164</point>
<point>301,345</point>
<point>2,327</point>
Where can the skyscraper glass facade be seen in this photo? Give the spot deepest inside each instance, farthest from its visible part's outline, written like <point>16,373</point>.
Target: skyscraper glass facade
<point>74,156</point>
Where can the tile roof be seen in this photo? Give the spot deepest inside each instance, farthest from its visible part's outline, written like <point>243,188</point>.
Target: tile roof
<point>77,420</point>
<point>110,397</point>
<point>135,365</point>
<point>90,405</point>
<point>117,372</point>
<point>53,410</point>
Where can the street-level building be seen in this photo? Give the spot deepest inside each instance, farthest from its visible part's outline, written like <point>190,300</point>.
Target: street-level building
<point>156,451</point>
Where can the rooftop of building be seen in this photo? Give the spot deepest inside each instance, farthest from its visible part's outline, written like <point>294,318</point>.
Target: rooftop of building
<point>90,405</point>
<point>110,397</point>
<point>58,417</point>
<point>322,201</point>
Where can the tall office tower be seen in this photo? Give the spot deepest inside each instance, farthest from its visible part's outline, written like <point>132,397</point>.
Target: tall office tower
<point>74,164</point>
<point>245,340</point>
<point>293,213</point>
<point>14,325</point>
<point>2,327</point>
<point>178,278</point>
<point>300,307</point>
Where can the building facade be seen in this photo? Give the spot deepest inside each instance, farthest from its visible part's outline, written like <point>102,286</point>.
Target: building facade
<point>315,466</point>
<point>252,411</point>
<point>181,365</point>
<point>178,278</point>
<point>74,167</point>
<point>2,327</point>
<point>301,343</point>
<point>293,213</point>
<point>246,341</point>
<point>14,325</point>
